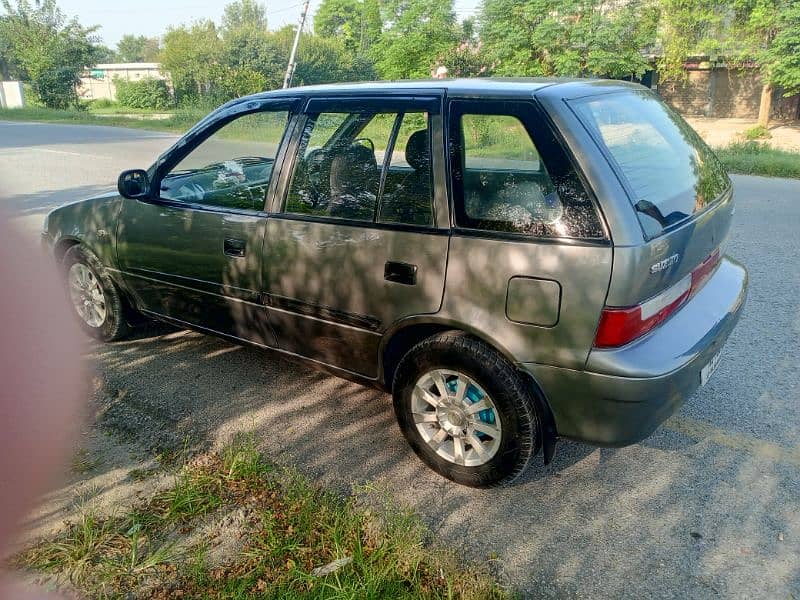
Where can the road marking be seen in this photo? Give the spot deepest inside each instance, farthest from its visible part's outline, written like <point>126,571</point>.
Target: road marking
<point>70,153</point>
<point>737,441</point>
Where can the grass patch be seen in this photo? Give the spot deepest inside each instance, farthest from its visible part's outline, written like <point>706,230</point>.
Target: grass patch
<point>754,158</point>
<point>759,132</point>
<point>293,540</point>
<point>180,121</point>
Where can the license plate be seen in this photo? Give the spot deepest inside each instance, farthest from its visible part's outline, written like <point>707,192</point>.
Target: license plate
<point>707,371</point>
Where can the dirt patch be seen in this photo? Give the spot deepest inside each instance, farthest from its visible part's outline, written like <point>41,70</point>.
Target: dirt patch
<point>723,132</point>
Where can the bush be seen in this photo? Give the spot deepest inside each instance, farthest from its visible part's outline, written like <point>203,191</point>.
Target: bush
<point>757,133</point>
<point>753,158</point>
<point>55,88</point>
<point>148,93</point>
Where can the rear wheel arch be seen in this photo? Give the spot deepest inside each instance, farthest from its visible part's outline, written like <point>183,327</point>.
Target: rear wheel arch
<point>404,336</point>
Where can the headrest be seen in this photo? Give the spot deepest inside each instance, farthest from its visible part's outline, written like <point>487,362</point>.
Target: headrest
<point>354,168</point>
<point>418,150</point>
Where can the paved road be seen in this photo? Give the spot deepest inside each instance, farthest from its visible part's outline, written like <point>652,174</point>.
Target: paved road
<point>708,506</point>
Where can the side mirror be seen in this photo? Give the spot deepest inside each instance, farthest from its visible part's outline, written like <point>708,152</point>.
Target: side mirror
<point>133,184</point>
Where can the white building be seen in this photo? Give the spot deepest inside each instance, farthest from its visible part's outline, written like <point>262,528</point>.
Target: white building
<point>98,82</point>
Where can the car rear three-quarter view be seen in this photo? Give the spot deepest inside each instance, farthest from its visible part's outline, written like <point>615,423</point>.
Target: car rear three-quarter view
<point>594,258</point>
<point>673,296</point>
<point>513,260</point>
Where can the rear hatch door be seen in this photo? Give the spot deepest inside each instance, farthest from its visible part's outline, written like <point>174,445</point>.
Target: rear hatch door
<point>677,187</point>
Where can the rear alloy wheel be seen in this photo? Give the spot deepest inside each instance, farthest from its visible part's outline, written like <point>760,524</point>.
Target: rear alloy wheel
<point>93,295</point>
<point>466,411</point>
<point>456,417</point>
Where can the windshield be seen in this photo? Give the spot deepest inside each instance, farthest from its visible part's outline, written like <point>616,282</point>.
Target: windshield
<point>670,172</point>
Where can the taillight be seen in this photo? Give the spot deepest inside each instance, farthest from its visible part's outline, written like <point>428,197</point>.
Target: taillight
<point>704,271</point>
<point>620,326</point>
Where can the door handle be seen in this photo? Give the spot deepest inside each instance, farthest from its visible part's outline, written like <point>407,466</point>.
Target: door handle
<point>234,247</point>
<point>400,272</point>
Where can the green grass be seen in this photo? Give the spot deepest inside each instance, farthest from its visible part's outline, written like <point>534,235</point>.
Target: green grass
<point>758,132</point>
<point>290,527</point>
<point>180,121</point>
<point>753,158</point>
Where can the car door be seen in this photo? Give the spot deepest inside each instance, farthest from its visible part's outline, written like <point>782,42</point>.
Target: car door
<point>360,239</point>
<point>193,251</point>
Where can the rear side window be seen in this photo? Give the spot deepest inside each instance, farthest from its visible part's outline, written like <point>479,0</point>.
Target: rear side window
<point>670,173</point>
<point>503,182</point>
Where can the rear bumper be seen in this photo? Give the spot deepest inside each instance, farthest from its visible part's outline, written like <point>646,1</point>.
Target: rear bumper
<point>625,393</point>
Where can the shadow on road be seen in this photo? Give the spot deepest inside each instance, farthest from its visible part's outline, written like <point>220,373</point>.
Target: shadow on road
<point>594,513</point>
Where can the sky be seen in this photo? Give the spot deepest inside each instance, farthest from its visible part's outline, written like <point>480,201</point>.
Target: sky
<point>153,17</point>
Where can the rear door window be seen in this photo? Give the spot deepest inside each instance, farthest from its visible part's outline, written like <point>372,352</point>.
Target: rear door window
<point>668,170</point>
<point>365,165</point>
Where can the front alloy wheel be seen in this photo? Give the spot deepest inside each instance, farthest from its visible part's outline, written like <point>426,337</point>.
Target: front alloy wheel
<point>86,295</point>
<point>96,300</point>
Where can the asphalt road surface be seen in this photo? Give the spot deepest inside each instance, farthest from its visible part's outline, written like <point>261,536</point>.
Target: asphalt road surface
<point>708,506</point>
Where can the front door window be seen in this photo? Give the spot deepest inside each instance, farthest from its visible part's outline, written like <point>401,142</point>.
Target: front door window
<point>232,167</point>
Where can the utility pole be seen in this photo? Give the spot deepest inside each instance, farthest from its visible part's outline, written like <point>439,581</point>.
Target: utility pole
<point>287,80</point>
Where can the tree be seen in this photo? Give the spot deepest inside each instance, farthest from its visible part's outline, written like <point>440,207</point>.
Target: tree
<point>416,33</point>
<point>138,48</point>
<point>258,51</point>
<point>356,23</point>
<point>244,13</point>
<point>44,48</point>
<point>192,56</point>
<point>322,59</point>
<point>568,37</point>
<point>768,32</point>
<point>783,55</point>
<point>326,60</point>
<point>690,28</point>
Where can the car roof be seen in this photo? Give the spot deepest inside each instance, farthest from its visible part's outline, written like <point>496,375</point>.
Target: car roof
<point>487,87</point>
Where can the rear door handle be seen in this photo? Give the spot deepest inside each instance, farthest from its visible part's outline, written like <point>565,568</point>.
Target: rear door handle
<point>234,247</point>
<point>400,272</point>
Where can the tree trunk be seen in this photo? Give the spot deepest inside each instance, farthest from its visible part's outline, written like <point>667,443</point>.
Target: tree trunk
<point>765,106</point>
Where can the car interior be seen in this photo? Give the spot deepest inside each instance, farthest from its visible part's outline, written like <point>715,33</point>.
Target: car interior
<point>345,178</point>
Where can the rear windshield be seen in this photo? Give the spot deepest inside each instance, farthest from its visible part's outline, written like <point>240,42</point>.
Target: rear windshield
<point>670,172</point>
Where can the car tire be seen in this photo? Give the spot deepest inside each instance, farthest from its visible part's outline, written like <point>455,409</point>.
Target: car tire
<point>445,431</point>
<point>97,303</point>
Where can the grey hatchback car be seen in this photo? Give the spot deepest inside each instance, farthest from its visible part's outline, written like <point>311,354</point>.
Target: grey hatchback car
<point>513,260</point>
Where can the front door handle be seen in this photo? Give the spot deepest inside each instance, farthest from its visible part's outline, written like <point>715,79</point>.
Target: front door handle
<point>234,247</point>
<point>400,272</point>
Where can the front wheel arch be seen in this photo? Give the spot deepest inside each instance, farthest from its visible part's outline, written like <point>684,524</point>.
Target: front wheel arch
<point>63,246</point>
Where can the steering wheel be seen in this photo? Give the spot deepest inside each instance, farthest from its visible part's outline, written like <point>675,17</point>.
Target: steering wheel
<point>367,142</point>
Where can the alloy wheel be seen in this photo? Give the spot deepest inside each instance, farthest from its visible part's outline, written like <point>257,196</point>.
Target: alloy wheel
<point>456,417</point>
<point>87,295</point>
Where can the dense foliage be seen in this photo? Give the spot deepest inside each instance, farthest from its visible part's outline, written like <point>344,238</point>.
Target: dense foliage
<point>138,48</point>
<point>569,37</point>
<point>39,45</point>
<point>148,93</point>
